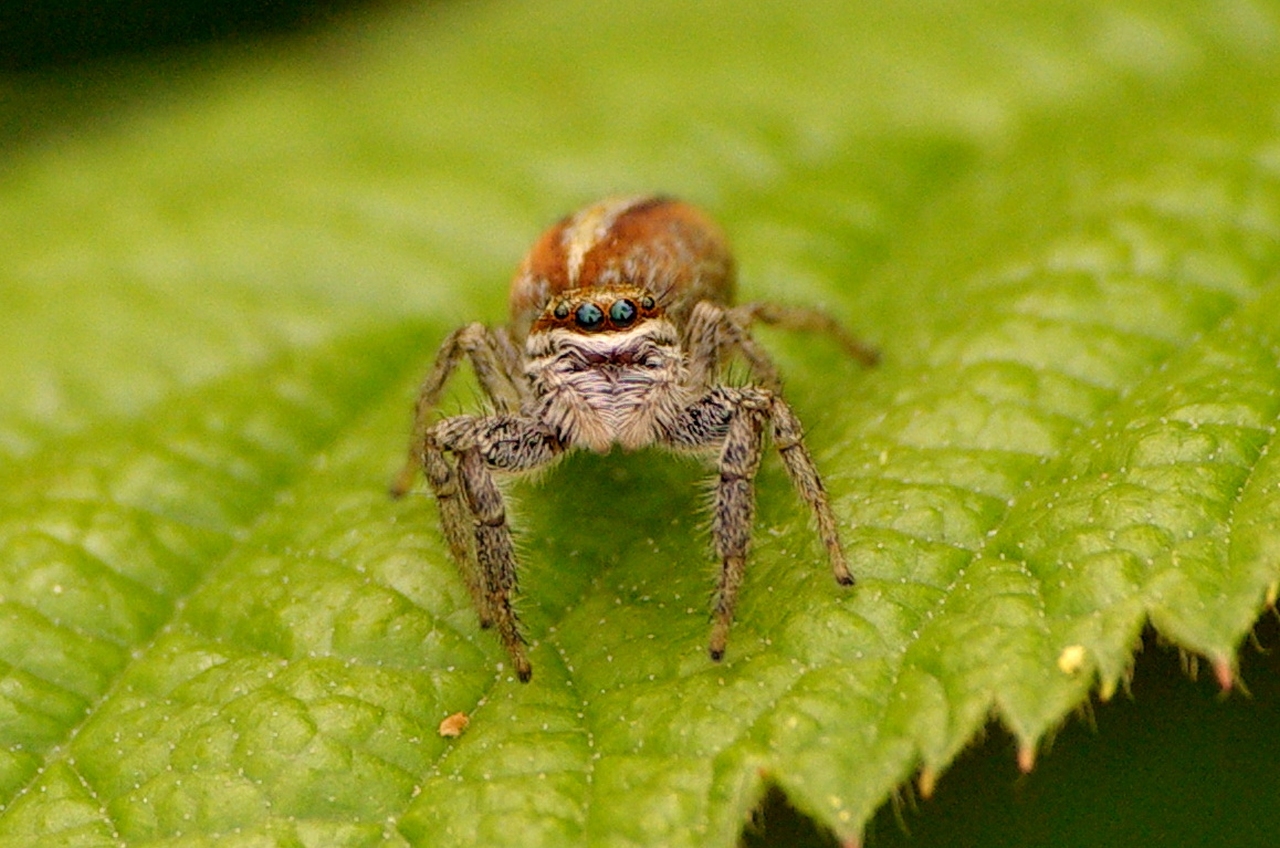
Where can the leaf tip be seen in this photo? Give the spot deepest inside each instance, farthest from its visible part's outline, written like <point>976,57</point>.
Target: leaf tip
<point>927,782</point>
<point>1026,758</point>
<point>1224,672</point>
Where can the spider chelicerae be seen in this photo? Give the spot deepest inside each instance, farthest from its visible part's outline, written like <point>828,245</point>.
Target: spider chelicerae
<point>622,323</point>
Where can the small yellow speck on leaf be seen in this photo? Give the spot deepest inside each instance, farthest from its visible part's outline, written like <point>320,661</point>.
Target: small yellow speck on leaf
<point>1071,660</point>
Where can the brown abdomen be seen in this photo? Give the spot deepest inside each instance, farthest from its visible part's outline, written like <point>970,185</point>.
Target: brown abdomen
<point>668,247</point>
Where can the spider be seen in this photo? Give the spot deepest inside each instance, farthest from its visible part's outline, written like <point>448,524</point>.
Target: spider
<point>622,322</point>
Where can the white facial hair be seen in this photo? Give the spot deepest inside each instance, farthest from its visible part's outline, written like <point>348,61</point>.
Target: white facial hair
<point>619,388</point>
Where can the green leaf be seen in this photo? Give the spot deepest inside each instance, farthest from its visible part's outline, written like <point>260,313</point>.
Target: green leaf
<point>1061,224</point>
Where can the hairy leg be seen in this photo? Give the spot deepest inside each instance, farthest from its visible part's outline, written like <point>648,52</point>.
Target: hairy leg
<point>713,332</point>
<point>494,555</point>
<point>788,438</point>
<point>457,523</point>
<point>731,419</point>
<point>473,513</point>
<point>734,419</point>
<point>496,363</point>
<point>804,319</point>
<point>733,515</point>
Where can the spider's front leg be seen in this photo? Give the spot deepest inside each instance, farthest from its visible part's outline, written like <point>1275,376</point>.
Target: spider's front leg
<point>732,419</point>
<point>735,419</point>
<point>734,511</point>
<point>457,523</point>
<point>473,513</point>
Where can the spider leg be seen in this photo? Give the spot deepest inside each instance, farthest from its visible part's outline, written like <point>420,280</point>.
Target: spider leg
<point>714,332</point>
<point>804,319</point>
<point>735,419</point>
<point>788,438</point>
<point>512,360</point>
<point>497,366</point>
<point>473,512</point>
<point>495,555</point>
<point>733,514</point>
<point>457,523</point>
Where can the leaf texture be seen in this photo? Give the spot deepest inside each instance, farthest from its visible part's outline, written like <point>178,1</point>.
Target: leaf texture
<point>1061,225</point>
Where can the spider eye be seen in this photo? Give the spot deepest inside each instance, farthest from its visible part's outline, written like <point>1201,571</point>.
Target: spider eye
<point>647,302</point>
<point>562,311</point>
<point>622,313</point>
<point>589,316</point>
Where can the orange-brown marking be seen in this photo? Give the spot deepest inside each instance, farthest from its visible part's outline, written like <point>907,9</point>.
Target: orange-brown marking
<point>665,246</point>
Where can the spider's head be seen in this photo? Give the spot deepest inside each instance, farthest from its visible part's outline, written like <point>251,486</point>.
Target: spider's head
<point>607,366</point>
<point>600,303</point>
<point>598,310</point>
<point>614,327</point>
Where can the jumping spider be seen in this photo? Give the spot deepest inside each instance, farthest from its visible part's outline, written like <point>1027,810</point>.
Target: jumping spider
<point>622,318</point>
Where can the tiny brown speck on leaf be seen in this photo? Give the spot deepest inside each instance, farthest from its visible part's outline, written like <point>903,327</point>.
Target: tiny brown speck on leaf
<point>452,727</point>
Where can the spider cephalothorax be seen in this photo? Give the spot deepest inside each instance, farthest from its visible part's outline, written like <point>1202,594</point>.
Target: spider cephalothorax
<point>621,321</point>
<point>611,371</point>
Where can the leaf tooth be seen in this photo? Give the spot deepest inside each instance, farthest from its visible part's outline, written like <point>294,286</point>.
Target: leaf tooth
<point>927,782</point>
<point>1026,757</point>
<point>1224,672</point>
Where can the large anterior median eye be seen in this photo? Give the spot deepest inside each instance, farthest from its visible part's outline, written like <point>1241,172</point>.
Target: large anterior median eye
<point>622,313</point>
<point>589,316</point>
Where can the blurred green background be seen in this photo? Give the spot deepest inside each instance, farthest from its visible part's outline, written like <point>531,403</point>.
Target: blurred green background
<point>1173,763</point>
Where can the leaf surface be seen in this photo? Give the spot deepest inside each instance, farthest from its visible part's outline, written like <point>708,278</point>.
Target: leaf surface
<point>1060,225</point>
